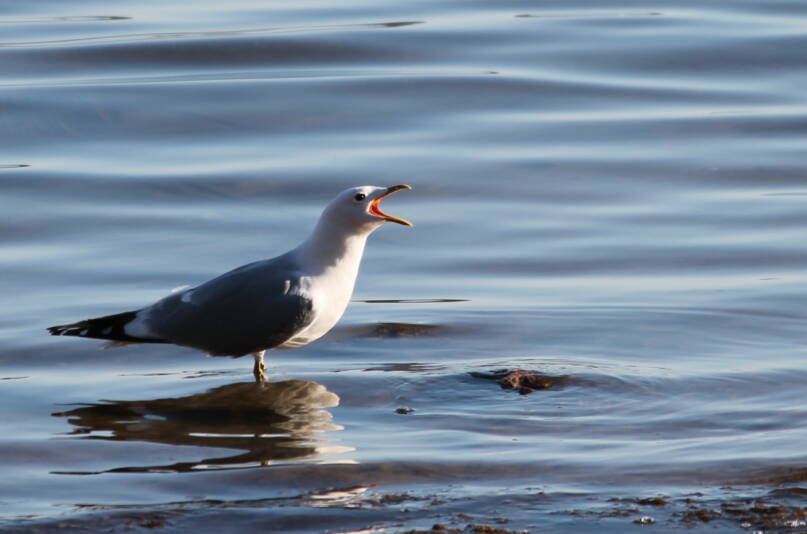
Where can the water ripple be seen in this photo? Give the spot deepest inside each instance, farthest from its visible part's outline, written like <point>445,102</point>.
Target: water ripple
<point>614,194</point>
<point>201,35</point>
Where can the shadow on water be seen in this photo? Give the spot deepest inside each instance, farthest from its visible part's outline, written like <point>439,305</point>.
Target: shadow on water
<point>271,422</point>
<point>410,301</point>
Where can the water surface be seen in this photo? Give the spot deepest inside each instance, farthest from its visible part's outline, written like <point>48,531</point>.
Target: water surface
<point>606,190</point>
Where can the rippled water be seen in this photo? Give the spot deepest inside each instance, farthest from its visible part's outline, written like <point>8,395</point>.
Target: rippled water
<point>611,191</point>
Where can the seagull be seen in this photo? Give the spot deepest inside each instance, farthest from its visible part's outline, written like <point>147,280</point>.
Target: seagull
<point>279,303</point>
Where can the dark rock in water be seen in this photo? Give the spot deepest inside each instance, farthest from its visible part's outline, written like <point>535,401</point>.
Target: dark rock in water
<point>523,380</point>
<point>469,529</point>
<point>653,501</point>
<point>750,513</point>
<point>395,330</point>
<point>404,410</point>
<point>527,381</point>
<point>403,330</point>
<point>789,492</point>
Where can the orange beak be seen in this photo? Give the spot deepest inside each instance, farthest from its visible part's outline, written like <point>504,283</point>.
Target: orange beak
<point>375,205</point>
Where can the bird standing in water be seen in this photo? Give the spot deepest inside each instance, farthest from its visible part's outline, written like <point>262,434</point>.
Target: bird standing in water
<point>278,303</point>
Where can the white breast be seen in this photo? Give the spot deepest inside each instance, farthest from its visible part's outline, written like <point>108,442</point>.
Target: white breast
<point>329,299</point>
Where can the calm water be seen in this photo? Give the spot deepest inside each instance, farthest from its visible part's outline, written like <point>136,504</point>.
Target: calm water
<point>615,191</point>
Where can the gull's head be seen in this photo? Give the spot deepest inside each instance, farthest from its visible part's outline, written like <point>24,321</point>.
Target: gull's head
<point>360,207</point>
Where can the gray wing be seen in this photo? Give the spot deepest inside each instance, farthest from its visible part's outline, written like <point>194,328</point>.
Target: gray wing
<point>254,307</point>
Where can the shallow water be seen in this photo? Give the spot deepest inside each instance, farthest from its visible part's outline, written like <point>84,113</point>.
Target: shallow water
<point>610,191</point>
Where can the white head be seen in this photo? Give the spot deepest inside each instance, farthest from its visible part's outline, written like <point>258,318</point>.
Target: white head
<point>358,208</point>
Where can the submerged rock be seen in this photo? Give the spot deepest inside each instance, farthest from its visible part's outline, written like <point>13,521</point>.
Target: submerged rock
<point>523,380</point>
<point>403,330</point>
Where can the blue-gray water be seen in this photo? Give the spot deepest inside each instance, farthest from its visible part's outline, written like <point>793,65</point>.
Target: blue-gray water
<point>615,191</point>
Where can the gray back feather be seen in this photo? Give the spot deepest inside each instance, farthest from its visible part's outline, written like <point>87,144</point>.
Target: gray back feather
<point>251,308</point>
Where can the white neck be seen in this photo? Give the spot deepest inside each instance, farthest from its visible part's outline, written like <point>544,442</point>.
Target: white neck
<point>332,247</point>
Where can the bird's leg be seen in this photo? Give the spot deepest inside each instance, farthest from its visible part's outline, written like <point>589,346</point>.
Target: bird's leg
<point>259,368</point>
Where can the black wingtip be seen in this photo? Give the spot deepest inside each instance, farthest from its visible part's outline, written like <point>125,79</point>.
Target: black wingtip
<point>111,327</point>
<point>57,330</point>
<point>67,329</point>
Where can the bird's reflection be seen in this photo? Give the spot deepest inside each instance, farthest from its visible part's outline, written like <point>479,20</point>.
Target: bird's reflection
<point>270,422</point>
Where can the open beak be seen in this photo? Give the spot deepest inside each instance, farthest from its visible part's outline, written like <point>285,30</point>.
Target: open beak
<point>375,205</point>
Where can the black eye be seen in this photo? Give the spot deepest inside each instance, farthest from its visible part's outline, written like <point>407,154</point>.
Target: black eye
<point>360,196</point>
